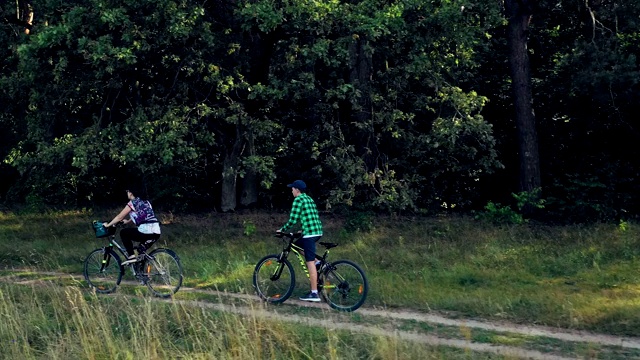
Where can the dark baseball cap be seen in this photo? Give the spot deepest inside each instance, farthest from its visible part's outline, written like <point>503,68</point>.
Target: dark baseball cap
<point>298,184</point>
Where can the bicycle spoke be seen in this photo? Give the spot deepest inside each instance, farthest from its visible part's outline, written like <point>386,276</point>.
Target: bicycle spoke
<point>344,286</point>
<point>102,270</point>
<point>162,272</point>
<point>273,280</point>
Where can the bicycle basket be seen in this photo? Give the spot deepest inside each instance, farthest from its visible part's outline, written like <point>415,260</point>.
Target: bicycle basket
<point>102,231</point>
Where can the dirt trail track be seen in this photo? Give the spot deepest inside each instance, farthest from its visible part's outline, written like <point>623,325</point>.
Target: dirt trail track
<point>334,320</point>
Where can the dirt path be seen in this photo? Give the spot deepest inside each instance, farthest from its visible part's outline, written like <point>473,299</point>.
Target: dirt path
<point>333,320</point>
<point>331,323</point>
<point>408,314</point>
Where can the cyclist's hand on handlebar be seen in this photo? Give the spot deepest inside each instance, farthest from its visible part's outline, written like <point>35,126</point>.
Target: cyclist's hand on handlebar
<point>122,222</point>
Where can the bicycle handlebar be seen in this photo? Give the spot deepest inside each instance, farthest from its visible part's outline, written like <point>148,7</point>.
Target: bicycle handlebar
<point>116,225</point>
<point>290,235</point>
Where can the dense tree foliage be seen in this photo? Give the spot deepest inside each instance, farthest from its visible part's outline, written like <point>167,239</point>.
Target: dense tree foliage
<point>586,95</point>
<point>401,105</point>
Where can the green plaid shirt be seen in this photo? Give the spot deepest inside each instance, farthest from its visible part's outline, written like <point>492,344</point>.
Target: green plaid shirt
<point>304,210</point>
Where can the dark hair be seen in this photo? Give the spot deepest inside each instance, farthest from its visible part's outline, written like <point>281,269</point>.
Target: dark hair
<point>136,190</point>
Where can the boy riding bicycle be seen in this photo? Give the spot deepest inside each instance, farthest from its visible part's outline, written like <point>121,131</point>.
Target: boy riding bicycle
<point>305,212</point>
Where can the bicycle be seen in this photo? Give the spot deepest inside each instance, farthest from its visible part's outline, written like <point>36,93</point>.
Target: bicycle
<point>160,270</point>
<point>342,284</point>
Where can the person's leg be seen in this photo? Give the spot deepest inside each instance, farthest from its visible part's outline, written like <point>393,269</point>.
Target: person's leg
<point>128,235</point>
<point>309,246</point>
<point>147,240</point>
<point>313,275</point>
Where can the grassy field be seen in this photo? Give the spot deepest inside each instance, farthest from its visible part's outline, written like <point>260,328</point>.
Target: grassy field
<point>51,322</point>
<point>578,277</point>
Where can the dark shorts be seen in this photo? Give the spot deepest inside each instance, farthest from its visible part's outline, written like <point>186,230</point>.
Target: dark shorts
<point>309,247</point>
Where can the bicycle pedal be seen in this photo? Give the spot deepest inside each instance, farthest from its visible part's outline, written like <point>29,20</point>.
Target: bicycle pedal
<point>144,279</point>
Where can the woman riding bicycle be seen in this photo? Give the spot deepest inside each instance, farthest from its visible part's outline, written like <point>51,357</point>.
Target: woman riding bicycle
<point>147,230</point>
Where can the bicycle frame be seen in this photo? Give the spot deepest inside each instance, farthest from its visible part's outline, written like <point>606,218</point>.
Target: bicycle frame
<point>159,269</point>
<point>121,249</point>
<point>342,283</point>
<point>298,252</point>
<point>113,243</point>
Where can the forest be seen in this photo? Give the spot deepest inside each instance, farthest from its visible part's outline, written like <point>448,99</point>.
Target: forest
<point>399,106</point>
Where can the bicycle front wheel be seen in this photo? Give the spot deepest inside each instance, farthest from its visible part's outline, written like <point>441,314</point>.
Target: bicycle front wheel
<point>273,279</point>
<point>163,272</point>
<point>344,285</point>
<point>102,270</point>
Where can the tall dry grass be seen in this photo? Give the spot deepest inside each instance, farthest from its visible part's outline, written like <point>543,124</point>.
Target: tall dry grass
<point>52,322</point>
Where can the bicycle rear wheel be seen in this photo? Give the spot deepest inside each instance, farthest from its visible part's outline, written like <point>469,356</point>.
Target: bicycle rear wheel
<point>163,272</point>
<point>344,285</point>
<point>273,279</point>
<point>102,270</point>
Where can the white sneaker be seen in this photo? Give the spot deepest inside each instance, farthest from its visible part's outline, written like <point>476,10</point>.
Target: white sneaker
<point>132,259</point>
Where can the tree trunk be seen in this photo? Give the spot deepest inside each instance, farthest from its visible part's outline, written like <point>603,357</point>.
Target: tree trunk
<point>249,194</point>
<point>261,47</point>
<point>24,14</point>
<point>519,13</point>
<point>360,77</point>
<point>228,197</point>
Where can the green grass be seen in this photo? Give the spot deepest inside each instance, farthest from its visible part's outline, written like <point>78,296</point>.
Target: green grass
<point>54,322</point>
<point>56,319</point>
<point>579,277</point>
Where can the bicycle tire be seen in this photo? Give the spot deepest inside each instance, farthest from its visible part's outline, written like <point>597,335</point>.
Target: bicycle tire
<point>344,285</point>
<point>103,278</point>
<point>273,279</point>
<point>163,272</point>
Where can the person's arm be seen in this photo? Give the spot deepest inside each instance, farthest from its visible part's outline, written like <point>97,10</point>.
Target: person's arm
<point>119,217</point>
<point>294,216</point>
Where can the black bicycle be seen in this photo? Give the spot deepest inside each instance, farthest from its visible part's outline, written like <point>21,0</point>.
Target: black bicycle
<point>342,284</point>
<point>160,270</point>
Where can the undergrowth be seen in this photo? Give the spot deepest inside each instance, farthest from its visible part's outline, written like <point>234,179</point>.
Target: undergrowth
<point>579,276</point>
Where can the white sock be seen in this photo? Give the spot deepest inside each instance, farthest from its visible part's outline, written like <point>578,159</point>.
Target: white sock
<point>314,291</point>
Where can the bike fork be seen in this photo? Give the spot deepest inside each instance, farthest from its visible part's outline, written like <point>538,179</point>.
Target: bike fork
<point>106,258</point>
<point>279,268</point>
